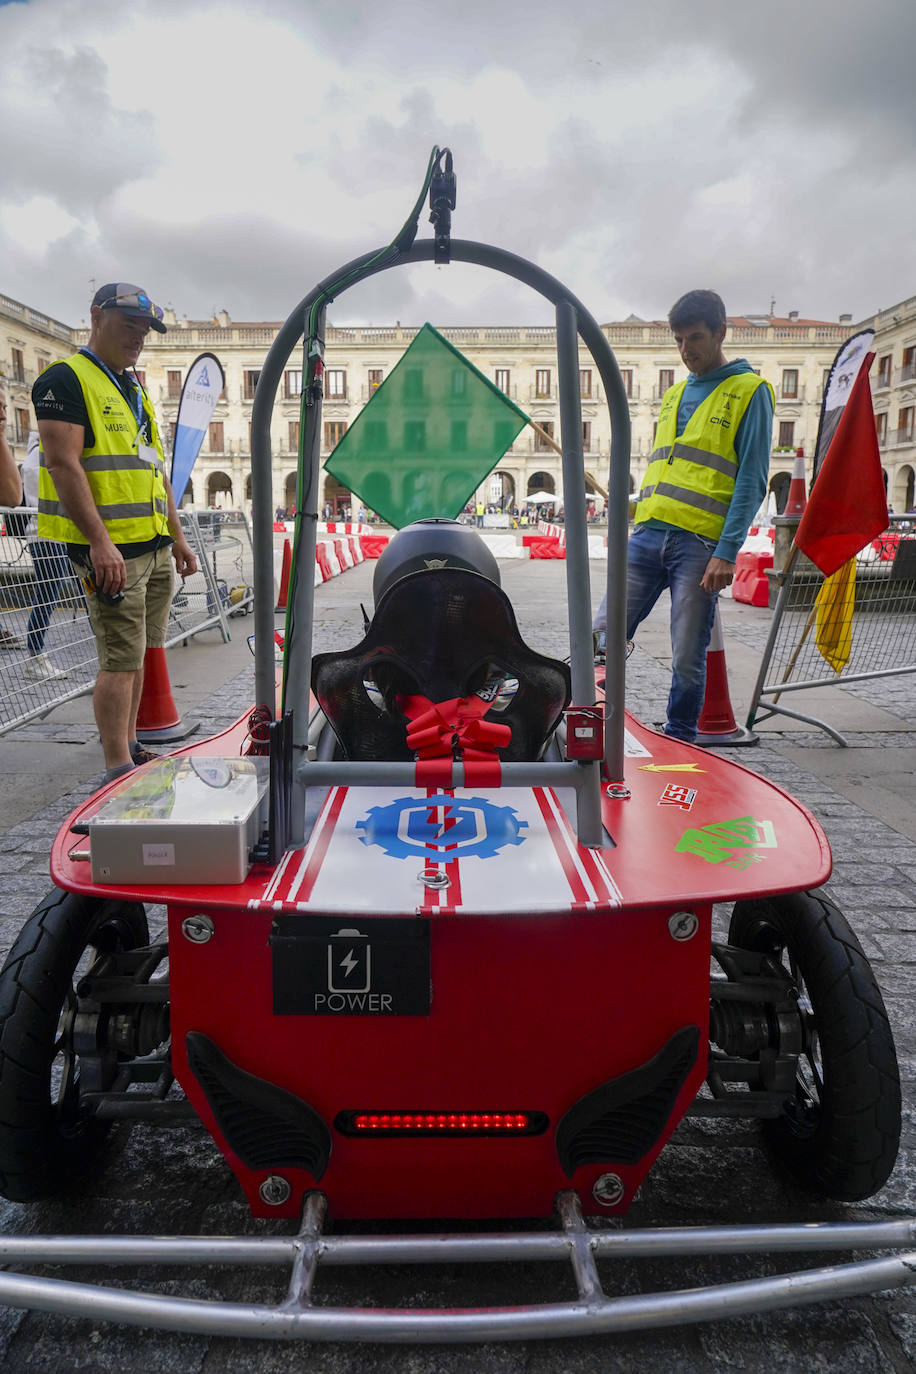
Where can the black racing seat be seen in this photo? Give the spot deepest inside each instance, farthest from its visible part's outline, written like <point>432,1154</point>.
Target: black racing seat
<point>440,634</point>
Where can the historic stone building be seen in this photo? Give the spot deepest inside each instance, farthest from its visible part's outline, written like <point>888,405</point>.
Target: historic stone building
<point>793,354</point>
<point>893,385</point>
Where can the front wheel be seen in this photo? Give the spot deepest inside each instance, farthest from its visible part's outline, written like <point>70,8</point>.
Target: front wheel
<point>840,1131</point>
<point>47,1132</point>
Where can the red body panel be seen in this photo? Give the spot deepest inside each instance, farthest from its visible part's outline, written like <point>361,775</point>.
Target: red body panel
<point>530,1011</point>
<point>527,1014</point>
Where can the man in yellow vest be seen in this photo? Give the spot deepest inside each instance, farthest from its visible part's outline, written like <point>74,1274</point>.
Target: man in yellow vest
<point>706,478</point>
<point>104,492</point>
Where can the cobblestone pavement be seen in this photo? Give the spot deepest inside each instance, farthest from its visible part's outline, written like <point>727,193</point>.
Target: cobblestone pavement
<point>711,1172</point>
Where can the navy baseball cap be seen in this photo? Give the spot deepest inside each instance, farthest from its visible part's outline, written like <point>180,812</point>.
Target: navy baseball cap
<point>133,300</point>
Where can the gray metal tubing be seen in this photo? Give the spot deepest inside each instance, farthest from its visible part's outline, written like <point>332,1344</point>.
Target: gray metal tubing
<point>578,587</point>
<point>779,687</point>
<point>774,710</point>
<point>360,773</point>
<point>298,649</point>
<point>446,1248</point>
<point>596,1315</point>
<point>495,259</point>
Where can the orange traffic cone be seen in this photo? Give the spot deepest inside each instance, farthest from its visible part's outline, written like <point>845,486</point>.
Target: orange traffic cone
<point>798,498</point>
<point>284,575</point>
<point>158,721</point>
<point>717,724</point>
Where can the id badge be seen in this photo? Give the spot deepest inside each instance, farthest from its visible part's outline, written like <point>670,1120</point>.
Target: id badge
<point>148,454</point>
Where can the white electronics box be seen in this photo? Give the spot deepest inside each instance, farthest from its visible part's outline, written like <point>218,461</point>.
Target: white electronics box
<point>181,820</point>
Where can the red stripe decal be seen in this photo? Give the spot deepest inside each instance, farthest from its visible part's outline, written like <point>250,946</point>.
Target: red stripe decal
<point>573,877</point>
<point>586,857</point>
<point>321,847</point>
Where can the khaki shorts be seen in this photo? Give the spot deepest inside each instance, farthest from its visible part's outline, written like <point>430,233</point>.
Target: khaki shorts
<point>124,632</point>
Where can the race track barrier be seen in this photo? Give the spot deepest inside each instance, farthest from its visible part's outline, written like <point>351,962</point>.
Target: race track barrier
<point>877,626</point>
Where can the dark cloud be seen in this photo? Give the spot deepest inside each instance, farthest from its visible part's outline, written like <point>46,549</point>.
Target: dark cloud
<point>763,150</point>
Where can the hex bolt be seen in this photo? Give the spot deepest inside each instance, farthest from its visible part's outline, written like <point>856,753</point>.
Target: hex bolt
<point>198,929</point>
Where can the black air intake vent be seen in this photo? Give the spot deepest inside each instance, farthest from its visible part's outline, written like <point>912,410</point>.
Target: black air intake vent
<point>619,1122</point>
<point>266,1126</point>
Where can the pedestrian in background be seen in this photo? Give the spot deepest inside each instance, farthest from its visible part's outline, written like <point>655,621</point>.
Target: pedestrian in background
<point>10,495</point>
<point>52,570</point>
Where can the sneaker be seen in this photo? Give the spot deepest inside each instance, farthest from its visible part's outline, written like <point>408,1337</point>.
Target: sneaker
<point>8,641</point>
<point>142,755</point>
<point>41,669</point>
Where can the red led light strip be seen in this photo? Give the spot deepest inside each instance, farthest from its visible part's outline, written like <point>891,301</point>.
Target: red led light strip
<point>440,1121</point>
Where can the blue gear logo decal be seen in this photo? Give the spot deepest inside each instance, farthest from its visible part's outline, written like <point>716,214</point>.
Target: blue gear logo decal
<point>438,829</point>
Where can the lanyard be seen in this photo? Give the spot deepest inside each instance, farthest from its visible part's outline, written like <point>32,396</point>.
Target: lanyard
<point>133,395</point>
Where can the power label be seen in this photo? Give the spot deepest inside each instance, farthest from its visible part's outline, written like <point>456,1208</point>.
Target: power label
<point>335,966</point>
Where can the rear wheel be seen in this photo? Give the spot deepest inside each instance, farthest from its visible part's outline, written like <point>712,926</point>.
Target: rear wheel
<point>47,1131</point>
<point>840,1130</point>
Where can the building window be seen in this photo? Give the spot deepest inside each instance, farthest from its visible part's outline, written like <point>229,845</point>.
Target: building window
<point>376,377</point>
<point>540,442</point>
<point>502,380</point>
<point>459,382</point>
<point>459,436</point>
<point>292,383</point>
<point>881,428</point>
<point>173,383</point>
<point>908,370</point>
<point>586,436</point>
<point>414,436</point>
<point>18,365</point>
<point>542,382</point>
<point>335,383</point>
<point>293,435</point>
<point>905,425</point>
<point>790,383</point>
<point>334,431</point>
<point>140,376</point>
<point>250,383</point>
<point>22,426</point>
<point>626,376</point>
<point>665,379</point>
<point>585,383</point>
<point>884,370</point>
<point>216,436</point>
<point>787,434</point>
<point>826,382</point>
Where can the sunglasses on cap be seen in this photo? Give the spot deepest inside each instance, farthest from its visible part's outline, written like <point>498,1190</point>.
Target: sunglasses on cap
<point>138,299</point>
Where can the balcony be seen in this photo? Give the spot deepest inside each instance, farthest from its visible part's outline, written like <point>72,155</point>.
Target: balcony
<point>898,437</point>
<point>907,373</point>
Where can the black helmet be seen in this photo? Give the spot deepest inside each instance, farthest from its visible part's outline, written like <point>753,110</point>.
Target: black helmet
<point>429,545</point>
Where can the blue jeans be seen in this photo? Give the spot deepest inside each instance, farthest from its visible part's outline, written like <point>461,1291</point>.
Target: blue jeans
<point>675,559</point>
<point>52,569</point>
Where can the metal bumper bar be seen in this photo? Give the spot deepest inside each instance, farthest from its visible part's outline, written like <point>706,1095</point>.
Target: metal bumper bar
<point>296,1318</point>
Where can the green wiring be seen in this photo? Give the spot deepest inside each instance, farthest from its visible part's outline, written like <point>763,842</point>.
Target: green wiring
<point>402,240</point>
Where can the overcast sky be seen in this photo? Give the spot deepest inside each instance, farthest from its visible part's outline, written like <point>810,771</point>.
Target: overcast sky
<point>230,155</point>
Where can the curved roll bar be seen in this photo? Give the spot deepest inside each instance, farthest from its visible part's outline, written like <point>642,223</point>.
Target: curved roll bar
<point>573,321</point>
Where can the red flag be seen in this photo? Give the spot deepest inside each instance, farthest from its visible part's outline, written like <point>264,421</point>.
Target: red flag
<point>848,506</point>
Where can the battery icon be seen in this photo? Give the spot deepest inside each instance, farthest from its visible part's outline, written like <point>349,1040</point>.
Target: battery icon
<point>349,962</point>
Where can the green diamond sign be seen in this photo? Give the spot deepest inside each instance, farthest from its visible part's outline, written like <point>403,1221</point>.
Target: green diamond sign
<point>429,436</point>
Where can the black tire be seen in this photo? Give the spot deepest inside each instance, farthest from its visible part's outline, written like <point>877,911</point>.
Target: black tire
<point>840,1133</point>
<point>47,1136</point>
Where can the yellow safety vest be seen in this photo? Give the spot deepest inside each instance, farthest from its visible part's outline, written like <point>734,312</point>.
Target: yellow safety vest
<point>128,488</point>
<point>690,479</point>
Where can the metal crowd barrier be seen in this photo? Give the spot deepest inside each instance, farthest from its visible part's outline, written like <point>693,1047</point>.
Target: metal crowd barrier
<point>872,624</point>
<point>47,648</point>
